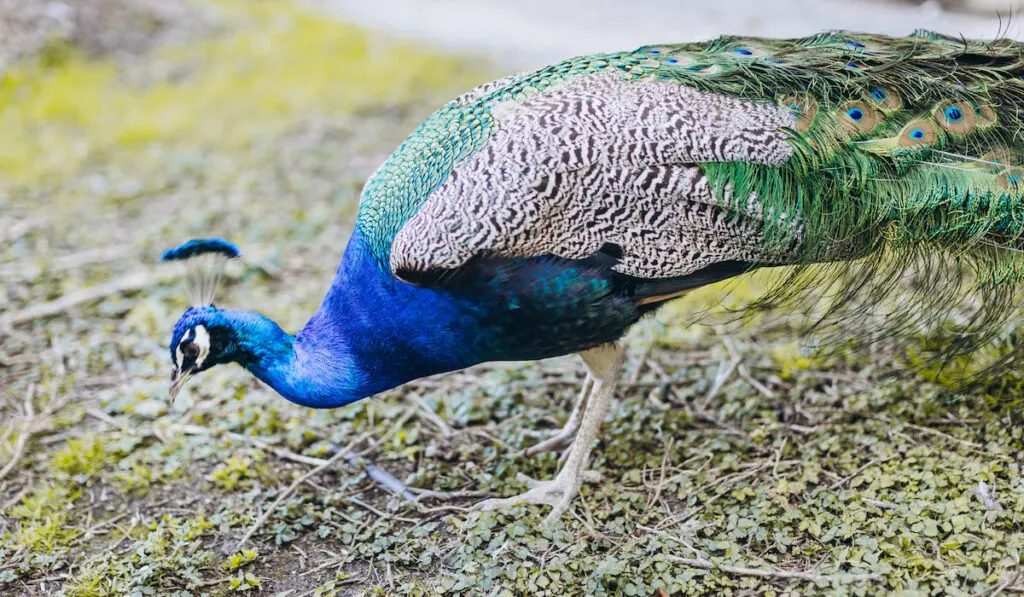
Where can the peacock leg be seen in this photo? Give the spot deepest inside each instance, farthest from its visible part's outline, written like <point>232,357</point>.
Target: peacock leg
<point>605,365</point>
<point>565,436</point>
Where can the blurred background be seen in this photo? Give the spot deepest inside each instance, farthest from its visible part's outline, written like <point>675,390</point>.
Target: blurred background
<point>129,126</point>
<point>532,33</point>
<point>524,34</point>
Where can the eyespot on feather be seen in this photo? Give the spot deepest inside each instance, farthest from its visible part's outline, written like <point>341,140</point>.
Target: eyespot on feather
<point>998,160</point>
<point>746,50</point>
<point>679,59</point>
<point>984,114</point>
<point>956,117</point>
<point>917,133</point>
<point>803,106</point>
<point>885,99</point>
<point>858,118</point>
<point>657,50</point>
<point>1012,179</point>
<point>861,46</point>
<point>714,69</point>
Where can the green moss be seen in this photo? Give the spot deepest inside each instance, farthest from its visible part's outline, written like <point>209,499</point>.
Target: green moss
<point>39,533</point>
<point>165,557</point>
<point>240,559</point>
<point>245,581</point>
<point>80,459</point>
<point>238,471</point>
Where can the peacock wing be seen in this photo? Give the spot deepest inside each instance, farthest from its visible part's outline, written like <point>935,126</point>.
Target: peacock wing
<point>783,151</point>
<point>602,160</point>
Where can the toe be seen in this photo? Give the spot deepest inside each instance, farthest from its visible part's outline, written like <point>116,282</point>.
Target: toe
<point>557,510</point>
<point>491,505</point>
<point>559,442</point>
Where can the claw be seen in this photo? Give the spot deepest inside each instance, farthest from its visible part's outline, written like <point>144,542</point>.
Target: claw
<point>604,364</point>
<point>557,493</point>
<point>559,441</point>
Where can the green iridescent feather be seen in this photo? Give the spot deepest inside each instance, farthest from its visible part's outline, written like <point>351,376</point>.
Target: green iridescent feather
<point>843,179</point>
<point>907,150</point>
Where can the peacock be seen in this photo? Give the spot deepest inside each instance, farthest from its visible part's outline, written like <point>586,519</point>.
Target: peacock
<point>547,212</point>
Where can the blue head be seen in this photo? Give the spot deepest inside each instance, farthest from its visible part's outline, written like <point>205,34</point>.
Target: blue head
<point>206,336</point>
<point>200,340</point>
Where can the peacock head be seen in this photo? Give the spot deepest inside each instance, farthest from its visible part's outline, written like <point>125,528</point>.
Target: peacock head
<point>202,338</point>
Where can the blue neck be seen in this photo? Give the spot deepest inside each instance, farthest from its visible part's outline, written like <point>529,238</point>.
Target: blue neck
<point>260,345</point>
<point>371,333</point>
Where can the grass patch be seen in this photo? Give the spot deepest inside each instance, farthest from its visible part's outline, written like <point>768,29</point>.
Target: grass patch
<point>165,558</point>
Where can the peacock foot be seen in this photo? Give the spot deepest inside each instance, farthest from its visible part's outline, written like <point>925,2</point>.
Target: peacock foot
<point>559,441</point>
<point>565,436</point>
<point>604,364</point>
<point>557,493</point>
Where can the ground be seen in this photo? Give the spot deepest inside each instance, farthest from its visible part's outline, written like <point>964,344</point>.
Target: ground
<point>733,461</point>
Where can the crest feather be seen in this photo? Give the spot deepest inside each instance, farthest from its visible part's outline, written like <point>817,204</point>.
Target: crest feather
<point>204,261</point>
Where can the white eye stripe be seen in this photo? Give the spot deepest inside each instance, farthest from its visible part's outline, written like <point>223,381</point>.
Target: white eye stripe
<point>179,356</point>
<point>202,341</point>
<point>200,338</point>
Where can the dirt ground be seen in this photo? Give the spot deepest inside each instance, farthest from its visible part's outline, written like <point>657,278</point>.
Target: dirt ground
<point>734,462</point>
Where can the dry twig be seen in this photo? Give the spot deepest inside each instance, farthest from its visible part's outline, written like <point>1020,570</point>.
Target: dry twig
<point>327,464</point>
<point>295,484</point>
<point>429,414</point>
<point>86,295</point>
<point>26,431</point>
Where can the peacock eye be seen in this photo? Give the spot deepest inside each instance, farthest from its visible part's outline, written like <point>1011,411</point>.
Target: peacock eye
<point>953,114</point>
<point>879,94</point>
<point>917,134</point>
<point>855,114</point>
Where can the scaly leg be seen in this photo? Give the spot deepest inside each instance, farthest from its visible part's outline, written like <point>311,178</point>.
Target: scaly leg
<point>564,438</point>
<point>605,365</point>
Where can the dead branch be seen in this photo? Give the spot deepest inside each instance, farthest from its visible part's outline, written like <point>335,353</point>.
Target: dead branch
<point>26,431</point>
<point>86,295</point>
<point>295,484</point>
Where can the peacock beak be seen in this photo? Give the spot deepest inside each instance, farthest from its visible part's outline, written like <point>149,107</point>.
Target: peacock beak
<point>178,380</point>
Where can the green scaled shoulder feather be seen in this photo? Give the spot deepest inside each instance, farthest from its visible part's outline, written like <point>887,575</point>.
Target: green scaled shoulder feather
<point>914,133</point>
<point>907,150</point>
